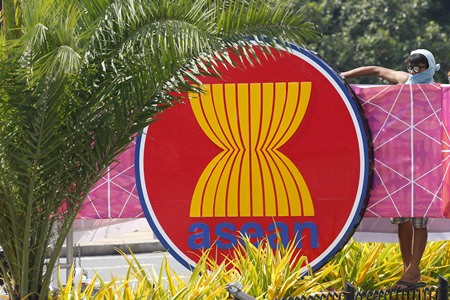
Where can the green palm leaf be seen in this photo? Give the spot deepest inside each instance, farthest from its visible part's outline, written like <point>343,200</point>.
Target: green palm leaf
<point>79,80</point>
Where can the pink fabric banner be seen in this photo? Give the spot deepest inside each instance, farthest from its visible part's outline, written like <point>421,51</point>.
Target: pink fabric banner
<point>410,132</point>
<point>445,117</point>
<point>115,195</point>
<point>407,129</point>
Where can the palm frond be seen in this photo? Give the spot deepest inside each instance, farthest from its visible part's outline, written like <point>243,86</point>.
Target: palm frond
<point>81,78</point>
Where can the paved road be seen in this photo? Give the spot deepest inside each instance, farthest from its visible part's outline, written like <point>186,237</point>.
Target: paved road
<point>110,266</point>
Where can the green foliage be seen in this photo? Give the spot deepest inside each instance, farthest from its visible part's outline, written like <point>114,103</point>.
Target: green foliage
<point>265,274</point>
<point>371,266</point>
<point>79,79</point>
<point>367,32</point>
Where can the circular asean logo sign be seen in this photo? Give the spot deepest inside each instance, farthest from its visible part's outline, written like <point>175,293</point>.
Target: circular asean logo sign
<point>276,151</point>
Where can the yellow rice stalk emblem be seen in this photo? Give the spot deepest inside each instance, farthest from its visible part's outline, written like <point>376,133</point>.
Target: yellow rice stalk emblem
<point>251,177</point>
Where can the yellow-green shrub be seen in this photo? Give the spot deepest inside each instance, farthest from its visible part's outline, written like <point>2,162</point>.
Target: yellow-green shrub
<point>265,274</point>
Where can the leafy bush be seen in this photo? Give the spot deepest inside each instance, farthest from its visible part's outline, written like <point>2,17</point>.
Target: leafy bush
<point>371,266</point>
<point>265,274</point>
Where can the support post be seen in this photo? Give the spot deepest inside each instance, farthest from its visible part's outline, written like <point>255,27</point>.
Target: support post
<point>443,288</point>
<point>349,291</point>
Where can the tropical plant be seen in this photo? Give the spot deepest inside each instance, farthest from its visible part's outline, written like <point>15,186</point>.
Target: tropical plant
<point>265,273</point>
<point>375,266</point>
<point>79,78</point>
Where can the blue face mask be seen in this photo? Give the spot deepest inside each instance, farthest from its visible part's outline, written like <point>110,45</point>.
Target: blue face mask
<point>423,77</point>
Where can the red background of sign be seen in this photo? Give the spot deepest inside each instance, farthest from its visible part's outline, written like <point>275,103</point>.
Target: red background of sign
<point>324,149</point>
